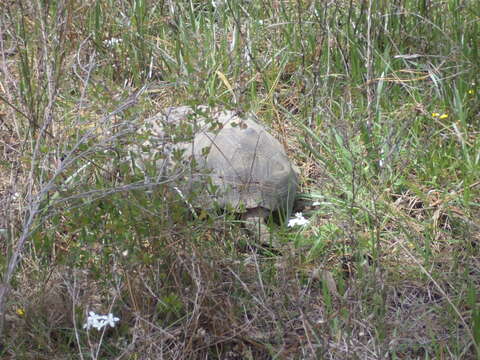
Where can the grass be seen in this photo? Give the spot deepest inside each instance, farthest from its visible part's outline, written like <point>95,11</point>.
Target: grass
<point>377,105</point>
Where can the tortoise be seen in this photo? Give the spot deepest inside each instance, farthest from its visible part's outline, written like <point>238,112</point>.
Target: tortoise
<point>248,167</point>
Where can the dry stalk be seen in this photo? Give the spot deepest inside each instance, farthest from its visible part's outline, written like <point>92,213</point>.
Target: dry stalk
<point>369,64</point>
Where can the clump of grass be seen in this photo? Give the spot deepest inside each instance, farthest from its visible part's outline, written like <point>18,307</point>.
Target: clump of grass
<point>377,104</point>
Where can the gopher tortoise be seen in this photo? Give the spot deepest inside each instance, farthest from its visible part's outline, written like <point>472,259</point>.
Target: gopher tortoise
<point>248,167</point>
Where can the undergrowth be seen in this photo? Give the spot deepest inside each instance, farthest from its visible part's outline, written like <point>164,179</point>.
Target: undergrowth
<point>376,103</point>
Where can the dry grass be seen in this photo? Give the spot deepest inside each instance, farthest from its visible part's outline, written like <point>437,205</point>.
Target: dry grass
<point>388,267</point>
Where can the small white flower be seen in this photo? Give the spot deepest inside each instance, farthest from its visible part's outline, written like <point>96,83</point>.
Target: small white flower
<point>111,320</point>
<point>100,321</point>
<point>298,220</point>
<point>112,42</point>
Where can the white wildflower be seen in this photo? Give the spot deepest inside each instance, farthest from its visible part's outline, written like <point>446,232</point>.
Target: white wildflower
<point>100,321</point>
<point>298,220</point>
<point>112,42</point>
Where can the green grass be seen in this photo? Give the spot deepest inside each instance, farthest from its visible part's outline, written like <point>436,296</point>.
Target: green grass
<point>377,104</point>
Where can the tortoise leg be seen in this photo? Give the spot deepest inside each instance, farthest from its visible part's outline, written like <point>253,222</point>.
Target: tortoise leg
<point>255,224</point>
